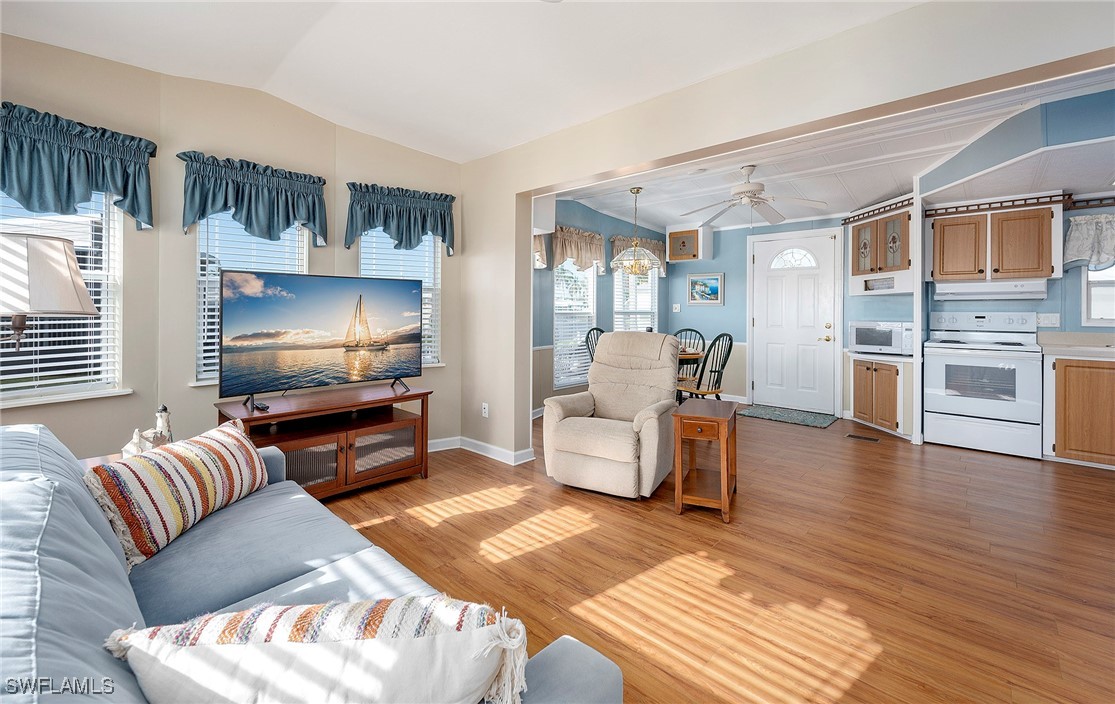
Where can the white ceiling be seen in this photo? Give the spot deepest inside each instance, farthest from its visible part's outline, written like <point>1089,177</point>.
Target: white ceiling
<point>859,166</point>
<point>460,80</point>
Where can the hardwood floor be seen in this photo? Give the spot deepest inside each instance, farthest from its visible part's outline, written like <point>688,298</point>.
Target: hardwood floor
<point>851,571</point>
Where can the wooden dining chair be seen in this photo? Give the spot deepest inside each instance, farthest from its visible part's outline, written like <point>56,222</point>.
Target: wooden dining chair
<point>689,340</point>
<point>591,338</point>
<point>710,378</point>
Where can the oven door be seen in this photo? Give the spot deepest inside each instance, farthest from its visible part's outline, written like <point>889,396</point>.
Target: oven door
<point>984,384</point>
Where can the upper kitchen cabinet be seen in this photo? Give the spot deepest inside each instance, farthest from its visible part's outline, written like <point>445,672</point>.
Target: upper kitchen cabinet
<point>880,249</point>
<point>960,248</point>
<point>892,243</point>
<point>1022,243</point>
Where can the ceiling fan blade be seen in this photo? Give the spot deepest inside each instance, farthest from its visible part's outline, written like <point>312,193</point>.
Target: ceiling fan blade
<point>714,217</point>
<point>767,213</point>
<point>710,205</point>
<point>800,201</point>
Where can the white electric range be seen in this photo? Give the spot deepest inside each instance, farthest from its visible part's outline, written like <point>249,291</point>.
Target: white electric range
<point>982,382</point>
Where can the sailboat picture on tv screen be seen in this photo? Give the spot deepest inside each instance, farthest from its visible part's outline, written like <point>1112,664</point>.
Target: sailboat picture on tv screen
<point>292,331</point>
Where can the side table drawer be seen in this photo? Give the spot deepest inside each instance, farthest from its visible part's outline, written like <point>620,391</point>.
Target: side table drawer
<point>699,430</point>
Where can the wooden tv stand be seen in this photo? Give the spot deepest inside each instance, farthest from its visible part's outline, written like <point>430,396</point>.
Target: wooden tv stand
<point>340,439</point>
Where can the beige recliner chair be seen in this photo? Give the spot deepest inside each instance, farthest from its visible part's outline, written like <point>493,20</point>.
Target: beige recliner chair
<point>617,437</point>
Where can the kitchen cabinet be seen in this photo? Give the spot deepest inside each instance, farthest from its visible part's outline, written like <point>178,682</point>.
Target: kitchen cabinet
<point>1010,244</point>
<point>880,255</point>
<point>881,245</point>
<point>875,393</point>
<point>1080,395</point>
<point>960,248</point>
<point>892,243</point>
<point>1021,245</point>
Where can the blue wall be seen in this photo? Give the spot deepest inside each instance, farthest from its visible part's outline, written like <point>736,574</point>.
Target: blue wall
<point>1078,119</point>
<point>729,258</point>
<point>573,214</point>
<point>1063,296</point>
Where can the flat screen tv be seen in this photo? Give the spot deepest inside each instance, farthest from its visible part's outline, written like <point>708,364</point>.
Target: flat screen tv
<point>281,332</point>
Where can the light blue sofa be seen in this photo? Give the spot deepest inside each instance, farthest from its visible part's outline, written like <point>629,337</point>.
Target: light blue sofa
<point>64,587</point>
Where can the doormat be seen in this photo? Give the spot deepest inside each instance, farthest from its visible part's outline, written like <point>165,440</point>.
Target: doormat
<point>789,415</point>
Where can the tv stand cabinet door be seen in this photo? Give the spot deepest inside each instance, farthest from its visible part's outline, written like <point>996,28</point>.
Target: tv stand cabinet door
<point>384,452</point>
<point>317,463</point>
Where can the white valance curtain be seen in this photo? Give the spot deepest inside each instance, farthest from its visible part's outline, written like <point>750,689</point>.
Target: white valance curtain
<point>1091,241</point>
<point>586,249</point>
<point>538,243</point>
<point>658,249</point>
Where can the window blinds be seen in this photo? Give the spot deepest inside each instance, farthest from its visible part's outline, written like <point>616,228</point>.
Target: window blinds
<point>635,302</point>
<point>69,355</point>
<point>379,259</point>
<point>223,243</point>
<point>574,314</point>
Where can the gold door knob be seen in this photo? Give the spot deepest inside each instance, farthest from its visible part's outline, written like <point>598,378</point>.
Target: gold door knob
<point>826,338</point>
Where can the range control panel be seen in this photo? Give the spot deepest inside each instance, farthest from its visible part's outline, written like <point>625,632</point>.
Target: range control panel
<point>998,322</point>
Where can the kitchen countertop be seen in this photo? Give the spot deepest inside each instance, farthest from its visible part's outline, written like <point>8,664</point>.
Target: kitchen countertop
<point>1082,345</point>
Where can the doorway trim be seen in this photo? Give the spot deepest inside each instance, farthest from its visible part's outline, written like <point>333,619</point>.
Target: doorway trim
<point>836,233</point>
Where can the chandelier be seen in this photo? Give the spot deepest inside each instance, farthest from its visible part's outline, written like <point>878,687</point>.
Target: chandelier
<point>635,260</point>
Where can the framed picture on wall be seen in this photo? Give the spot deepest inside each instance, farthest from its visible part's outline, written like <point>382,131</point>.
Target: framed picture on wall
<point>705,289</point>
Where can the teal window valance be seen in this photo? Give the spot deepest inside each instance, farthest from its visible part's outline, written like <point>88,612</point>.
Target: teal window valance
<point>405,215</point>
<point>49,164</point>
<point>265,200</point>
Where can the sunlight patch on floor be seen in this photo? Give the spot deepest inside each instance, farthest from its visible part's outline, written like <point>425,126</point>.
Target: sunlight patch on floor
<point>378,520</point>
<point>433,514</point>
<point>734,647</point>
<point>538,531</point>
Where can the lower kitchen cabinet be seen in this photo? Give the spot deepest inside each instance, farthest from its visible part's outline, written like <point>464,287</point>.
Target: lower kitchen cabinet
<point>1080,403</point>
<point>877,393</point>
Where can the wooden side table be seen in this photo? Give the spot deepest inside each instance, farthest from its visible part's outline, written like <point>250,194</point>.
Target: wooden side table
<point>705,420</point>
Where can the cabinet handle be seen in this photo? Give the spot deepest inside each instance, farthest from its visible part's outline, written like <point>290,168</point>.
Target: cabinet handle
<point>981,271</point>
<point>700,430</point>
<point>342,448</point>
<point>352,447</point>
<point>995,270</point>
<point>872,268</point>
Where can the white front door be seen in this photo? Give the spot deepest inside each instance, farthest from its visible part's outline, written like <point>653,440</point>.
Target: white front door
<point>794,299</point>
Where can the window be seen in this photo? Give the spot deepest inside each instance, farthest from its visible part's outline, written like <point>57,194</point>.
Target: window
<point>635,301</point>
<point>223,243</point>
<point>380,259</point>
<point>69,355</point>
<point>574,314</point>
<point>1098,304</point>
<point>793,258</point>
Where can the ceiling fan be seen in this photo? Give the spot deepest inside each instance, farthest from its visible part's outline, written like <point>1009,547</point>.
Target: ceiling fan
<point>754,194</point>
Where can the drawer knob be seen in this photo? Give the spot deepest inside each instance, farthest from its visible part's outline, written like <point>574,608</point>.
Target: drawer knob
<point>700,430</point>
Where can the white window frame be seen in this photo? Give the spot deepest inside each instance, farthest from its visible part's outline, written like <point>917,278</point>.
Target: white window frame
<point>104,332</point>
<point>633,318</point>
<point>1086,318</point>
<point>571,360</point>
<point>241,252</point>
<point>380,259</point>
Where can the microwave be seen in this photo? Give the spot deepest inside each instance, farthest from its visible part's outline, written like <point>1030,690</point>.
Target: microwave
<point>881,338</point>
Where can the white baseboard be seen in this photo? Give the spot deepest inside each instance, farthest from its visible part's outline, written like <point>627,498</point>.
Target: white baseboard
<point>738,399</point>
<point>497,453</point>
<point>847,415</point>
<point>537,413</point>
<point>443,444</point>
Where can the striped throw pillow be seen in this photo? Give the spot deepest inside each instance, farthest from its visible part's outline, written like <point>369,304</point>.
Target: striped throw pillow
<point>154,497</point>
<point>412,649</point>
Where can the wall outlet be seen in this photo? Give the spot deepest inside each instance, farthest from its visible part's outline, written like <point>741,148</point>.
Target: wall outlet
<point>484,410</point>
<point>676,308</point>
<point>1049,320</point>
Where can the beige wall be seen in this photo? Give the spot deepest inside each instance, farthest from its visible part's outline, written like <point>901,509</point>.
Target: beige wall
<point>159,265</point>
<point>938,46</point>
